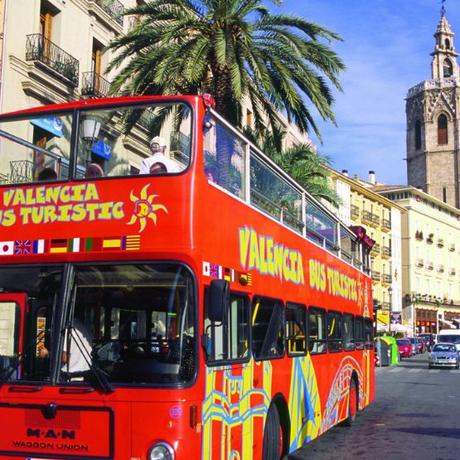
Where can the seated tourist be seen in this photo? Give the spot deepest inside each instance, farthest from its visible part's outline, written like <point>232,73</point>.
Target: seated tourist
<point>158,148</point>
<point>47,174</point>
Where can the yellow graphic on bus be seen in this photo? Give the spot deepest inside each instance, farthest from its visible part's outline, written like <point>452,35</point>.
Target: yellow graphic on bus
<point>144,208</point>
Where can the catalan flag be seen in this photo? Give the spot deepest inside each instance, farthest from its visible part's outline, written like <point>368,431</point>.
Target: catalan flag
<point>132,242</point>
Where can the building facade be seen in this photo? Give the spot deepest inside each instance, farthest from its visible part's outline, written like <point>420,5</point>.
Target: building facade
<point>381,217</point>
<point>430,260</point>
<point>53,49</point>
<point>433,124</point>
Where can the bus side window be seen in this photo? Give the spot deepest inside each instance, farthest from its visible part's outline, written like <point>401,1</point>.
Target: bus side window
<point>368,334</point>
<point>267,328</point>
<point>296,329</point>
<point>359,332</point>
<point>229,340</point>
<point>348,332</point>
<point>334,331</point>
<point>317,330</point>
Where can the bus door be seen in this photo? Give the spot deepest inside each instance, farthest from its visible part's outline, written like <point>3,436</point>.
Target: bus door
<point>12,314</point>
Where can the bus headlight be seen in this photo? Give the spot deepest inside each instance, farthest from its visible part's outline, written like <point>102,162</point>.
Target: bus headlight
<point>161,451</point>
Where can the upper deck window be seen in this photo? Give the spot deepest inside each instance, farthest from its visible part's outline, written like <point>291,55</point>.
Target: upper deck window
<point>154,139</point>
<point>115,141</point>
<point>35,149</point>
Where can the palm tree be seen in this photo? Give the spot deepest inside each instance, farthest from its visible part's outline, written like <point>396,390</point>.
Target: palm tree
<point>309,169</point>
<point>234,49</point>
<point>306,166</point>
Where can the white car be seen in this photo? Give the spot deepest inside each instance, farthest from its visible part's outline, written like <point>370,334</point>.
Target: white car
<point>444,354</point>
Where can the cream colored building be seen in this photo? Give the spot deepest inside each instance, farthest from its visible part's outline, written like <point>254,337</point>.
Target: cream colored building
<point>431,259</point>
<point>381,218</point>
<point>52,49</point>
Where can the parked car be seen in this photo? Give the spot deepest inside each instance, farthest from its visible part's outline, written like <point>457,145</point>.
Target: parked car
<point>444,354</point>
<point>428,339</point>
<point>405,348</point>
<point>414,345</point>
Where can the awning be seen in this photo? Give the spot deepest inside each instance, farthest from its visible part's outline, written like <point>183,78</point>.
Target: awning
<point>53,125</point>
<point>448,323</point>
<point>102,149</point>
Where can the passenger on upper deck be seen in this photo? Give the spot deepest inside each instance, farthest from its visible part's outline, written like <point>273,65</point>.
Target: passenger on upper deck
<point>94,170</point>
<point>158,148</point>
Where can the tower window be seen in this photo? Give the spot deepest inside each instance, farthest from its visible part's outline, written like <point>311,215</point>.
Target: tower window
<point>447,68</point>
<point>418,135</point>
<point>447,44</point>
<point>444,194</point>
<point>442,130</point>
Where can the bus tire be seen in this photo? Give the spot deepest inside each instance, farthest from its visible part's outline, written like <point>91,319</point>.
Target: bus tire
<point>352,405</point>
<point>272,442</point>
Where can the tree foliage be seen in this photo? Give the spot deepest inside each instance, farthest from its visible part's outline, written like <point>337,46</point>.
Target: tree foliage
<point>236,50</point>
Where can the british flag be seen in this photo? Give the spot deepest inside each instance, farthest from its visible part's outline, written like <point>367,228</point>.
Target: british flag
<point>23,247</point>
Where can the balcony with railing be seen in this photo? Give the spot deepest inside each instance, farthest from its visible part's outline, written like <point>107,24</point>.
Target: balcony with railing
<point>386,278</point>
<point>452,271</point>
<point>371,218</point>
<point>386,252</point>
<point>386,306</point>
<point>386,225</point>
<point>440,268</point>
<point>42,50</point>
<point>440,243</point>
<point>429,266</point>
<point>452,247</point>
<point>419,263</point>
<point>375,249</point>
<point>376,276</point>
<point>94,85</point>
<point>419,235</point>
<point>354,211</point>
<point>113,8</point>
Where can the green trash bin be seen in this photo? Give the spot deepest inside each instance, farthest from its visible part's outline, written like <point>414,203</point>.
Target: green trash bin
<point>394,350</point>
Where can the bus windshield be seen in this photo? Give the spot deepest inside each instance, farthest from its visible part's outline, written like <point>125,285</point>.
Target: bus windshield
<point>107,142</point>
<point>133,322</point>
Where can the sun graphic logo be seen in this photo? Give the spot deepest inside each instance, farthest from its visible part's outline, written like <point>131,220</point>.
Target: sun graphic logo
<point>144,208</point>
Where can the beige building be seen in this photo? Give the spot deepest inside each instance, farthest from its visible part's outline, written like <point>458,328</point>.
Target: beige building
<point>52,49</point>
<point>431,259</point>
<point>433,123</point>
<point>381,218</point>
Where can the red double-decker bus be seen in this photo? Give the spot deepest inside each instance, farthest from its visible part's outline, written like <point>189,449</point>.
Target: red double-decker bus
<point>167,292</point>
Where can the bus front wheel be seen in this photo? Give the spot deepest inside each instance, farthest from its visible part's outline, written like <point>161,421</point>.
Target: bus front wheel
<point>352,405</point>
<point>273,436</point>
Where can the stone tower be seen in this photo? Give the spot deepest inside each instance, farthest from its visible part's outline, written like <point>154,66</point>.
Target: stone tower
<point>433,135</point>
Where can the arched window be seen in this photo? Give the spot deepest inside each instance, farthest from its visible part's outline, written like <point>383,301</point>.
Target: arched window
<point>418,135</point>
<point>442,130</point>
<point>447,43</point>
<point>447,68</point>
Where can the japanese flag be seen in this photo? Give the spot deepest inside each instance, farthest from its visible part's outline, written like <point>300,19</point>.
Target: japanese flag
<point>6,248</point>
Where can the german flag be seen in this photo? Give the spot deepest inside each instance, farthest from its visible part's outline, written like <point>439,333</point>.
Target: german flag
<point>59,246</point>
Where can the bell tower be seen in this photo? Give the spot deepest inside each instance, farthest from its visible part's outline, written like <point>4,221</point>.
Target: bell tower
<point>432,140</point>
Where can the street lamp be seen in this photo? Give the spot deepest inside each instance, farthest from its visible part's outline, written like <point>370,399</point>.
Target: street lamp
<point>390,292</point>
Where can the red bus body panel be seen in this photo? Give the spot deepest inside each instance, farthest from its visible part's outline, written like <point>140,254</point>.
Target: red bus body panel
<point>222,414</point>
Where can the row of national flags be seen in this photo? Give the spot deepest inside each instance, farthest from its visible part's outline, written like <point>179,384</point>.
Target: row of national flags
<point>224,273</point>
<point>64,245</point>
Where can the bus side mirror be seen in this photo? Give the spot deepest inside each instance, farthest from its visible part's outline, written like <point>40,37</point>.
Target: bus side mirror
<point>219,300</point>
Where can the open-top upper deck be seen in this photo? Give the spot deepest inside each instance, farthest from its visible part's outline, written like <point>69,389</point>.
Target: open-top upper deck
<point>98,175</point>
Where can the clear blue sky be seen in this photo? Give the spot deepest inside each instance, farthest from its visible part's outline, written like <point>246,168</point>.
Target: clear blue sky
<point>386,48</point>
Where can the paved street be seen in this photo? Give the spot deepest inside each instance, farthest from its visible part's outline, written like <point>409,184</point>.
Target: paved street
<point>416,415</point>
